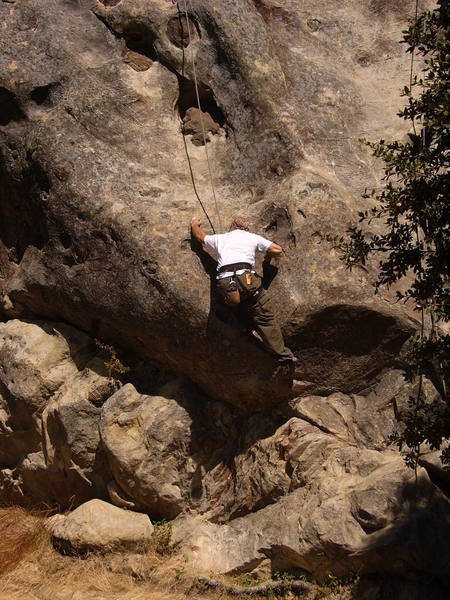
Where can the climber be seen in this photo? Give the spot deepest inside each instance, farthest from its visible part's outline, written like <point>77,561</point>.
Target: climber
<point>239,285</point>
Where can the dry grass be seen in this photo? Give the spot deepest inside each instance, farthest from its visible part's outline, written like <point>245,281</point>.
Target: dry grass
<point>31,569</point>
<point>21,534</point>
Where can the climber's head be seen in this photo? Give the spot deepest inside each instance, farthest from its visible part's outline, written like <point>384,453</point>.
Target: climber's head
<point>239,223</point>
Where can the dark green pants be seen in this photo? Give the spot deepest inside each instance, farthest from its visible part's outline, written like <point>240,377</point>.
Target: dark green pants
<point>259,314</point>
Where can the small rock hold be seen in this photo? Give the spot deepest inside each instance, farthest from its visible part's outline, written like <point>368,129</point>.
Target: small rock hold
<point>118,497</point>
<point>314,24</point>
<point>63,170</point>
<point>276,167</point>
<point>7,305</point>
<point>317,185</point>
<point>302,387</point>
<point>192,124</point>
<point>137,61</point>
<point>364,60</point>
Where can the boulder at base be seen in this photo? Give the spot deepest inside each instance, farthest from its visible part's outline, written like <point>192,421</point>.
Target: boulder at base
<point>53,383</point>
<point>99,526</point>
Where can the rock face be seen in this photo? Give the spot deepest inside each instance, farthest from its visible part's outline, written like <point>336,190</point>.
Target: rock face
<point>97,197</point>
<point>97,525</point>
<point>316,485</point>
<point>348,522</point>
<point>159,447</point>
<point>52,385</point>
<point>254,461</point>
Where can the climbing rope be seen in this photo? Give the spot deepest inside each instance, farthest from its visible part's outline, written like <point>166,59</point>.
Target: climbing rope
<point>186,12</point>
<point>182,129</point>
<point>194,186</point>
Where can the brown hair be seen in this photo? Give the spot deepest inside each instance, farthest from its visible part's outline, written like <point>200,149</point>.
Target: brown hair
<point>240,223</point>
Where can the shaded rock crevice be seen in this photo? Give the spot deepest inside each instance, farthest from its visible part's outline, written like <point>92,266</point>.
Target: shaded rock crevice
<point>11,108</point>
<point>179,33</point>
<point>108,3</point>
<point>22,212</point>
<point>45,95</point>
<point>136,35</point>
<point>187,99</point>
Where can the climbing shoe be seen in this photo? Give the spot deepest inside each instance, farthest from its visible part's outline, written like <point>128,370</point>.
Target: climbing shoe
<point>288,360</point>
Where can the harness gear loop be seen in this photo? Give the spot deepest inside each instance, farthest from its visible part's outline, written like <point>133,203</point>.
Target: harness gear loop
<point>233,296</point>
<point>235,287</point>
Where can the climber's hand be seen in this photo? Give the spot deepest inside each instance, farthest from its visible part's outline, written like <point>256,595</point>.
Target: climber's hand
<point>197,231</point>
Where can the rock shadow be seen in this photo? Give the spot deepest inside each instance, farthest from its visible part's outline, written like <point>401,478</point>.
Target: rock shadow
<point>343,347</point>
<point>178,31</point>
<point>187,99</point>
<point>11,109</point>
<point>414,540</point>
<point>22,219</point>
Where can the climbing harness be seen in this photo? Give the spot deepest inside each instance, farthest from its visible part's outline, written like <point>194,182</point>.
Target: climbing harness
<point>235,286</point>
<point>235,267</point>
<point>232,293</point>
<point>186,12</point>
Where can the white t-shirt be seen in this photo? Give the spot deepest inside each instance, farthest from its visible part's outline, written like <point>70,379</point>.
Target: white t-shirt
<point>236,246</point>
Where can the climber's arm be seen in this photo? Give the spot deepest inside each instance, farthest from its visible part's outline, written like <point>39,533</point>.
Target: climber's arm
<point>273,250</point>
<point>197,231</point>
